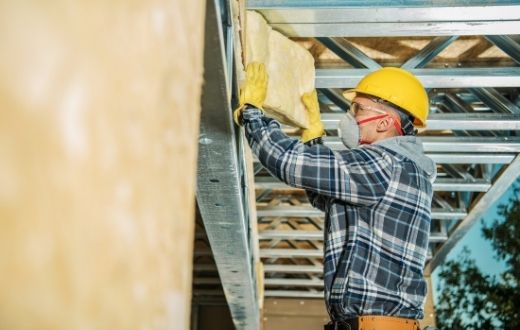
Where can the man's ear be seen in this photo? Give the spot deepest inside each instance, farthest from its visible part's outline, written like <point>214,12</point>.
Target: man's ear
<point>384,124</point>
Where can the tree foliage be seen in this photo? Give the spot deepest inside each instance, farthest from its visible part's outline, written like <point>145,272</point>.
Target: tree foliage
<point>471,299</point>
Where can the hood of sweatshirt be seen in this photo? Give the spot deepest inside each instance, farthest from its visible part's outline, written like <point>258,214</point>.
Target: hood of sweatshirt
<point>411,147</point>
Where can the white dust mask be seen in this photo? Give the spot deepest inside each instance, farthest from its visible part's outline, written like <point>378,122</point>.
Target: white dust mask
<point>348,131</point>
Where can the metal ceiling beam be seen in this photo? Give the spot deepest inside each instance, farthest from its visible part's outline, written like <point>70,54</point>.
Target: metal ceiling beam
<point>291,253</point>
<point>468,158</point>
<point>473,121</point>
<point>369,19</point>
<point>294,253</point>
<point>478,144</point>
<point>326,11</point>
<point>425,55</point>
<point>441,184</point>
<point>507,45</point>
<point>500,185</point>
<point>294,294</point>
<point>430,78</point>
<point>464,158</point>
<point>398,29</point>
<point>294,282</point>
<point>292,269</point>
<point>496,101</point>
<point>309,211</point>
<point>318,235</point>
<point>219,189</point>
<point>479,185</point>
<point>336,97</point>
<point>291,234</point>
<point>259,4</point>
<point>349,53</point>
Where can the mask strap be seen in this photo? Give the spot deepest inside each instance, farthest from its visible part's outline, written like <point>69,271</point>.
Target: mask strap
<point>396,125</point>
<point>364,121</point>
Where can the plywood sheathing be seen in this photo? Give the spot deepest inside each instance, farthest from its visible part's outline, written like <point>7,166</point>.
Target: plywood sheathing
<point>466,51</point>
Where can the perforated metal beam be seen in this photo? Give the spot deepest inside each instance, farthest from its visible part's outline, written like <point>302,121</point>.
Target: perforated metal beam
<point>219,189</point>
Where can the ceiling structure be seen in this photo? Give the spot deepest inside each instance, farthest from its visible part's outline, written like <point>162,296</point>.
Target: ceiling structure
<point>470,67</point>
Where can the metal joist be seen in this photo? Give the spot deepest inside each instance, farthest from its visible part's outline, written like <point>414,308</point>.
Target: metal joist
<point>380,18</point>
<point>471,158</point>
<point>430,78</point>
<point>507,45</point>
<point>441,184</point>
<point>293,282</point>
<point>452,121</point>
<point>496,101</point>
<point>291,253</point>
<point>462,144</point>
<point>309,211</point>
<point>294,294</point>
<point>467,158</point>
<point>219,190</point>
<point>437,45</point>
<point>317,235</point>
<point>293,269</point>
<point>296,253</point>
<point>349,53</point>
<point>336,97</point>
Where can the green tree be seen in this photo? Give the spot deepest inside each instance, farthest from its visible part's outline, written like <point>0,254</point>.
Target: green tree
<point>471,299</point>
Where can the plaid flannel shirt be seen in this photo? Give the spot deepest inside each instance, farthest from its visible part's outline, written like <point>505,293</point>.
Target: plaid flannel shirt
<point>377,207</point>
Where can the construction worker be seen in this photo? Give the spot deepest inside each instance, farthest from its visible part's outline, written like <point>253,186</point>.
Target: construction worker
<point>376,194</point>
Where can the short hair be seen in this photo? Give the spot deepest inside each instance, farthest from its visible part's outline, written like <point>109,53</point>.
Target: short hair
<point>406,119</point>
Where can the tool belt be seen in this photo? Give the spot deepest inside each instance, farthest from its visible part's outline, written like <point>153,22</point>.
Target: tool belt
<point>374,322</point>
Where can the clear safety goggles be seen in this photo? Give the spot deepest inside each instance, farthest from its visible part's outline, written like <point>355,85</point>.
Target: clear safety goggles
<point>356,108</point>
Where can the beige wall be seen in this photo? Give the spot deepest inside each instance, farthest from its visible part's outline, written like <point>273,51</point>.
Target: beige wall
<point>99,104</point>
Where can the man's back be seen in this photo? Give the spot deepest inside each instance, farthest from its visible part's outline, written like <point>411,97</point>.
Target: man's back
<point>376,240</point>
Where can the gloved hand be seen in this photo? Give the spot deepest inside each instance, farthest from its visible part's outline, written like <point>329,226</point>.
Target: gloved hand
<point>315,129</point>
<point>254,90</point>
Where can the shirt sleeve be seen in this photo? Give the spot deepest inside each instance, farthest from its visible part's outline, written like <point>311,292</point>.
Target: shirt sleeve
<point>358,176</point>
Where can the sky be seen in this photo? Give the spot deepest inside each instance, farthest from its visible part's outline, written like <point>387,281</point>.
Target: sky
<point>480,248</point>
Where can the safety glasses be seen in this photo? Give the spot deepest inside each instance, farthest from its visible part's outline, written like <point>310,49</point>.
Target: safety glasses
<point>356,108</point>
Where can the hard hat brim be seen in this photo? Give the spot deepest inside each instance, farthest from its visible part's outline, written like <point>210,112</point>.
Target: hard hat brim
<point>350,94</point>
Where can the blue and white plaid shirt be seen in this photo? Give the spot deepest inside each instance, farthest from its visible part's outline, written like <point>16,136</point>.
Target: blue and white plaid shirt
<point>377,206</point>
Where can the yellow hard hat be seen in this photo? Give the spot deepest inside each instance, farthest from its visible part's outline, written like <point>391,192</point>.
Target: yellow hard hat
<point>398,87</point>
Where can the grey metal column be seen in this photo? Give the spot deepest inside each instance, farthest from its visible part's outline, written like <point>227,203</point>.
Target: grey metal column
<point>219,189</point>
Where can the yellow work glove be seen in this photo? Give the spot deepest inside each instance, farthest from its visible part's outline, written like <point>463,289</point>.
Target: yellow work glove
<point>315,129</point>
<point>254,90</point>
